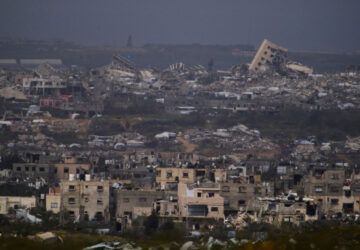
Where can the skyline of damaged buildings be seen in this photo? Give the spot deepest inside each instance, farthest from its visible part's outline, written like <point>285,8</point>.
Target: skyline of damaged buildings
<point>115,143</point>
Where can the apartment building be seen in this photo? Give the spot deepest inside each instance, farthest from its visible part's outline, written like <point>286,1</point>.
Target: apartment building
<point>86,200</point>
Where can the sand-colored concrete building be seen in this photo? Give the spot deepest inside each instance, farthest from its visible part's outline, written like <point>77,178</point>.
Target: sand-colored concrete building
<point>266,54</point>
<point>84,200</point>
<point>53,200</point>
<point>7,202</point>
<point>200,200</point>
<point>168,177</point>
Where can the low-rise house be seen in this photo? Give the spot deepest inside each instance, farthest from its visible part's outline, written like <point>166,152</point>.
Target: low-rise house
<point>16,202</point>
<point>276,211</point>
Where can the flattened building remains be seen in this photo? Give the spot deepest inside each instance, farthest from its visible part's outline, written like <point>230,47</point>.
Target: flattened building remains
<point>197,176</point>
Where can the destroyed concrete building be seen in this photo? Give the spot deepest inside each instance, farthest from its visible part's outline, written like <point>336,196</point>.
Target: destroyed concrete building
<point>268,53</point>
<point>334,191</point>
<point>134,203</point>
<point>102,135</point>
<point>271,55</point>
<point>43,86</point>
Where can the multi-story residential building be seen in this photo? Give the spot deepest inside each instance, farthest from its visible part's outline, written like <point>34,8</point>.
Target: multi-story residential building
<point>332,190</point>
<point>133,203</point>
<point>72,166</point>
<point>84,200</point>
<point>53,200</point>
<point>201,200</point>
<point>167,178</point>
<point>34,170</point>
<point>240,194</point>
<point>43,86</point>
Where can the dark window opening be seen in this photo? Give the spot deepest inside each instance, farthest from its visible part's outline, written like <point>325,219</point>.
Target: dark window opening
<point>241,202</point>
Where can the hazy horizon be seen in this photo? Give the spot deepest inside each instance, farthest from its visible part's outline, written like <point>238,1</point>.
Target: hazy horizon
<point>298,25</point>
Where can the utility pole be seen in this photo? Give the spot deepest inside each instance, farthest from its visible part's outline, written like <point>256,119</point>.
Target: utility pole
<point>129,43</point>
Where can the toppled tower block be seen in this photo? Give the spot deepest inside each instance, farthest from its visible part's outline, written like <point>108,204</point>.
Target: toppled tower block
<point>268,54</point>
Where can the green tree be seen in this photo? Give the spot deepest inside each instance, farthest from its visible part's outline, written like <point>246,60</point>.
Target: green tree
<point>151,223</point>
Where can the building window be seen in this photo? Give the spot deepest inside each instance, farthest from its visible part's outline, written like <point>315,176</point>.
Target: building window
<point>211,195</point>
<point>126,200</point>
<point>241,202</point>
<point>33,168</point>
<point>168,174</point>
<point>214,209</point>
<point>318,189</point>
<point>53,205</point>
<point>71,188</point>
<point>99,201</point>
<point>26,168</point>
<point>199,194</point>
<point>257,190</point>
<point>242,189</point>
<point>71,200</point>
<point>334,189</point>
<point>142,199</point>
<point>100,188</point>
<point>66,170</point>
<point>158,173</point>
<point>334,201</point>
<point>18,169</point>
<point>185,175</point>
<point>347,193</point>
<point>99,216</point>
<point>335,176</point>
<point>287,219</point>
<point>86,199</point>
<point>226,189</point>
<point>71,213</point>
<point>42,169</point>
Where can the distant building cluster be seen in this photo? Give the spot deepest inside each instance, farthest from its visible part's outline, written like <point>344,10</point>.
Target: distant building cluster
<point>117,143</point>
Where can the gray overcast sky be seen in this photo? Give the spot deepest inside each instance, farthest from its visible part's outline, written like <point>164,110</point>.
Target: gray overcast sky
<point>328,25</point>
